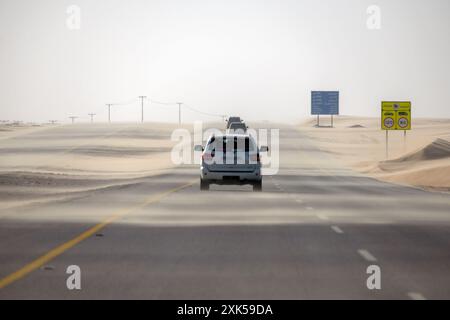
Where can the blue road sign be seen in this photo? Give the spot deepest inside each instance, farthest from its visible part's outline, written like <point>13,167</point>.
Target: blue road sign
<point>324,102</point>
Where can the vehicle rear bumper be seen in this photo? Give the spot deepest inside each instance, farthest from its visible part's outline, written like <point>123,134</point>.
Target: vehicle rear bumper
<point>231,177</point>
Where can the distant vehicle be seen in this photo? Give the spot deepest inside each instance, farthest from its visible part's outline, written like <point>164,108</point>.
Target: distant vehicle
<point>233,120</point>
<point>237,127</point>
<point>231,159</point>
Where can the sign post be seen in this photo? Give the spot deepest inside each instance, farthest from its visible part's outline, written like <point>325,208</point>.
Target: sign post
<point>324,102</point>
<point>387,144</point>
<point>395,115</point>
<point>404,141</point>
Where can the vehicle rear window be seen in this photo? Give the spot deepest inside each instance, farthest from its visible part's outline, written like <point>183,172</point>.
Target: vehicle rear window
<point>239,144</point>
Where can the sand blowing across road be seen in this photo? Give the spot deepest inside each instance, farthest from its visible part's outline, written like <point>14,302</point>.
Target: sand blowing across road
<point>422,160</point>
<point>42,163</point>
<point>46,163</point>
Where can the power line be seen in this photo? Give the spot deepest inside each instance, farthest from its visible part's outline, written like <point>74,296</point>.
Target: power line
<point>189,107</point>
<point>170,104</point>
<point>163,103</point>
<point>205,113</point>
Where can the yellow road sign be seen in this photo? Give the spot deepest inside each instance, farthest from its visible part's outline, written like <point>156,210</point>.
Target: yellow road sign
<point>396,115</point>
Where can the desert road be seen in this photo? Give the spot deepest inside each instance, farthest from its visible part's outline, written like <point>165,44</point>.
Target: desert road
<point>311,234</point>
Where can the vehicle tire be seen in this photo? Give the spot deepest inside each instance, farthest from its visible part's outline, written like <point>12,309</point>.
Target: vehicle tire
<point>257,186</point>
<point>204,185</point>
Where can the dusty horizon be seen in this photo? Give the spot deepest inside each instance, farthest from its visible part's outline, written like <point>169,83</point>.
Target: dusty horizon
<point>324,119</point>
<point>260,61</point>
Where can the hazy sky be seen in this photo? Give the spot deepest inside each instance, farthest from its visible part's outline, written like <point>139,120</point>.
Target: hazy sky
<point>258,59</point>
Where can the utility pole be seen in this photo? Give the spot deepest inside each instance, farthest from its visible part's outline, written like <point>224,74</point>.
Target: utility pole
<point>109,111</point>
<point>92,116</point>
<point>179,111</point>
<point>73,118</point>
<point>142,107</point>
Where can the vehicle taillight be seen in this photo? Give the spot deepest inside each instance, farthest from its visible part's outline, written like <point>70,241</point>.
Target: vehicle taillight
<point>207,157</point>
<point>255,157</point>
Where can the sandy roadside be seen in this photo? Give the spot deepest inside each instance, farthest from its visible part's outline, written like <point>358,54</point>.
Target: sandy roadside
<point>56,163</point>
<point>422,160</point>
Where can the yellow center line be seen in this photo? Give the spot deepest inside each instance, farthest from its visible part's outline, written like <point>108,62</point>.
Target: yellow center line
<point>50,255</point>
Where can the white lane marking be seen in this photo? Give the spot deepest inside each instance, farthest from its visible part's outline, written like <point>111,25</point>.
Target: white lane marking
<point>309,208</point>
<point>367,255</point>
<point>416,296</point>
<point>337,229</point>
<point>299,200</point>
<point>323,217</point>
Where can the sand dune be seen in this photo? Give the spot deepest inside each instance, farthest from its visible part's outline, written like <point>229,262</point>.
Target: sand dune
<point>438,149</point>
<point>427,167</point>
<point>433,177</point>
<point>18,189</point>
<point>58,163</point>
<point>100,149</point>
<point>422,158</point>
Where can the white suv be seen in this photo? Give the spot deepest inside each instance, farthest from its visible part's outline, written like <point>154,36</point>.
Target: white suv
<point>231,159</point>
